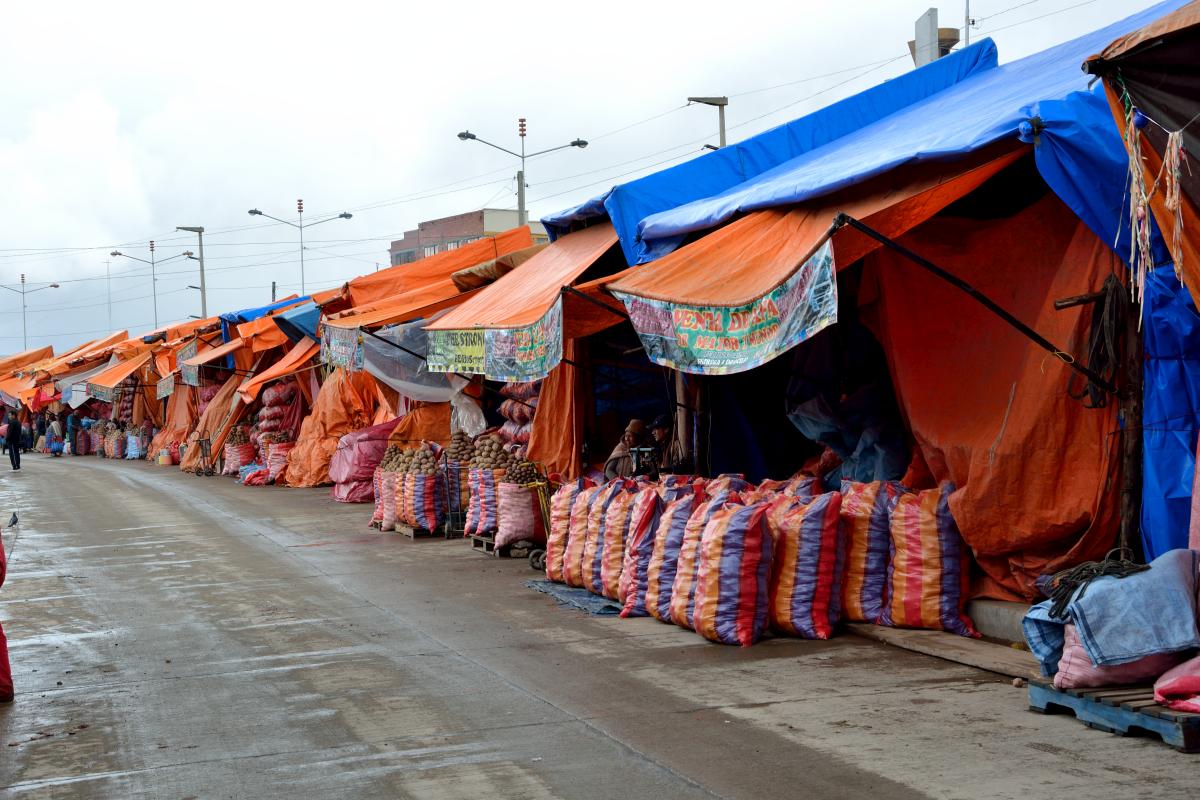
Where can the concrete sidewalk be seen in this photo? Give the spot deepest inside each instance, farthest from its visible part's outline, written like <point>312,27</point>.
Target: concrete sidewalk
<point>175,636</point>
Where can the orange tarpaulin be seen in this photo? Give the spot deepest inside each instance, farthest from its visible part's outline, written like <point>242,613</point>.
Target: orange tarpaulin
<point>426,271</point>
<point>112,377</point>
<point>345,403</point>
<point>18,360</point>
<point>401,308</point>
<point>262,334</point>
<point>750,257</point>
<point>427,422</point>
<point>208,356</point>
<point>557,437</point>
<point>1037,471</point>
<point>180,417</point>
<point>294,360</point>
<point>215,423</point>
<point>523,296</point>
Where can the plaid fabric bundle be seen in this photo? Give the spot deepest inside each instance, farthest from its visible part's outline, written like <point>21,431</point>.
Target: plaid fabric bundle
<point>807,565</point>
<point>732,583</point>
<point>561,505</point>
<point>929,574</point>
<point>866,524</point>
<point>645,514</point>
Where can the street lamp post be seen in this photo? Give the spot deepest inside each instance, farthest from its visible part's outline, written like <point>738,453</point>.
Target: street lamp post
<point>199,231</point>
<point>23,291</point>
<point>720,103</point>
<point>254,212</point>
<point>522,215</point>
<point>153,277</point>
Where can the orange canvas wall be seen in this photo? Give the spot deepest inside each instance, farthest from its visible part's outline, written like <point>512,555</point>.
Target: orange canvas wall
<point>345,403</point>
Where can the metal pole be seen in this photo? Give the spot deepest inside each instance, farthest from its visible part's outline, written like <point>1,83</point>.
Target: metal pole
<point>967,26</point>
<point>300,210</point>
<point>521,218</point>
<point>153,284</point>
<point>272,291</point>
<point>203,288</point>
<point>721,117</point>
<point>24,336</point>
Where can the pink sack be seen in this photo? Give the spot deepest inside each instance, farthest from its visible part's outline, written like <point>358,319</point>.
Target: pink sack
<point>1076,671</point>
<point>388,482</point>
<point>1179,687</point>
<point>515,520</point>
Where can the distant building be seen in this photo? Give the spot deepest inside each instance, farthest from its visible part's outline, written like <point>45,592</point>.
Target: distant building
<point>439,235</point>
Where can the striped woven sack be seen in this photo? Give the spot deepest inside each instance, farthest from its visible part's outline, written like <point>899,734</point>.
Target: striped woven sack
<point>683,590</point>
<point>727,482</point>
<point>577,530</point>
<point>807,565</point>
<point>458,485</point>
<point>732,585</point>
<point>664,558</point>
<point>561,504</point>
<point>866,526</point>
<point>388,521</point>
<point>422,501</point>
<point>578,571</point>
<point>482,509</point>
<point>930,570</point>
<point>631,591</point>
<point>377,487</point>
<point>609,556</point>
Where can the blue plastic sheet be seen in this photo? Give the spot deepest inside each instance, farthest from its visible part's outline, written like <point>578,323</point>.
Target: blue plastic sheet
<point>627,204</point>
<point>230,319</point>
<point>299,322</point>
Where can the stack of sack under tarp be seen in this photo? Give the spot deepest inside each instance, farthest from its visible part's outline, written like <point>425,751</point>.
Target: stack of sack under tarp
<point>1113,623</point>
<point>518,409</point>
<point>238,452</point>
<point>358,455</point>
<point>137,439</point>
<point>730,559</point>
<point>125,402</point>
<point>207,392</point>
<point>114,442</point>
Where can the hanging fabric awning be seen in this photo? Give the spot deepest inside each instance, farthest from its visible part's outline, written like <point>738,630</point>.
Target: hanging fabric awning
<point>512,330</point>
<point>18,360</point>
<point>212,354</point>
<point>73,386</point>
<point>295,360</point>
<point>761,285</point>
<point>101,386</point>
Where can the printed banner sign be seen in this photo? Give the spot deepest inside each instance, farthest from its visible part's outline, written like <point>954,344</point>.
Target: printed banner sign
<point>342,347</point>
<point>720,340</point>
<point>190,375</point>
<point>104,394</point>
<point>165,387</point>
<point>512,355</point>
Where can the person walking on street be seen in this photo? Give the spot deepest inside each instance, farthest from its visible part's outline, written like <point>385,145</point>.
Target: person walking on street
<point>14,439</point>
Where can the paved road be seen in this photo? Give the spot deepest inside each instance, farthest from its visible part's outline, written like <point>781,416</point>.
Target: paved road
<point>181,637</point>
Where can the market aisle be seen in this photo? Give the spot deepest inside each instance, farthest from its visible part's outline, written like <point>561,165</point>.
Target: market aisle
<point>182,637</point>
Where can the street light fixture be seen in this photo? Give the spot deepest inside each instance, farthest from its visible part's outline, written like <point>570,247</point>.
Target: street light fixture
<point>254,212</point>
<point>23,291</point>
<point>199,231</point>
<point>720,103</point>
<point>522,216</point>
<point>153,277</point>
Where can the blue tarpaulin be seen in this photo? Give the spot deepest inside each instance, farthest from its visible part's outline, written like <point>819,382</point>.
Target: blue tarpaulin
<point>232,318</point>
<point>628,203</point>
<point>296,323</point>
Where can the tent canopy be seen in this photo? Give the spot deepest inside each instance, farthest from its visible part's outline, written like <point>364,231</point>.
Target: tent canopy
<point>213,353</point>
<point>425,272</point>
<point>18,360</point>
<point>1044,95</point>
<point>292,362</point>
<point>231,319</point>
<point>409,305</point>
<point>300,322</point>
<point>112,377</point>
<point>523,296</point>
<point>708,175</point>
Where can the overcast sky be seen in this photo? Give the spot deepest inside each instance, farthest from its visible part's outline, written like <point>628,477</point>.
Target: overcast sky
<point>123,120</point>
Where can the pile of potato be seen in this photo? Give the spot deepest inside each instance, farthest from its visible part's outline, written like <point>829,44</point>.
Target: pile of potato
<point>238,435</point>
<point>392,459</point>
<point>461,449</point>
<point>522,472</point>
<point>422,461</point>
<point>490,454</point>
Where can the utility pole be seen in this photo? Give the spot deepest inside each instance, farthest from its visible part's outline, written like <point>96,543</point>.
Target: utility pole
<point>967,26</point>
<point>272,291</point>
<point>300,211</point>
<point>199,231</point>
<point>23,291</point>
<point>720,103</point>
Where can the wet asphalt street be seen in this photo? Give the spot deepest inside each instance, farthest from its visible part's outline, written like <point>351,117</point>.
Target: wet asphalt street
<point>183,637</point>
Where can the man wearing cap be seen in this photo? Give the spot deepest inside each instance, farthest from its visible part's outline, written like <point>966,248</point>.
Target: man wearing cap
<point>669,453</point>
<point>620,463</point>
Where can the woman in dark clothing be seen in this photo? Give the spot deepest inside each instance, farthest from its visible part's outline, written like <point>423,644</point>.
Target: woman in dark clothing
<point>14,440</point>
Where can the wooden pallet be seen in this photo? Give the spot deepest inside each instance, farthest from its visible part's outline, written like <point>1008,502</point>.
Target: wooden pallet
<point>416,533</point>
<point>486,544</point>
<point>1119,710</point>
